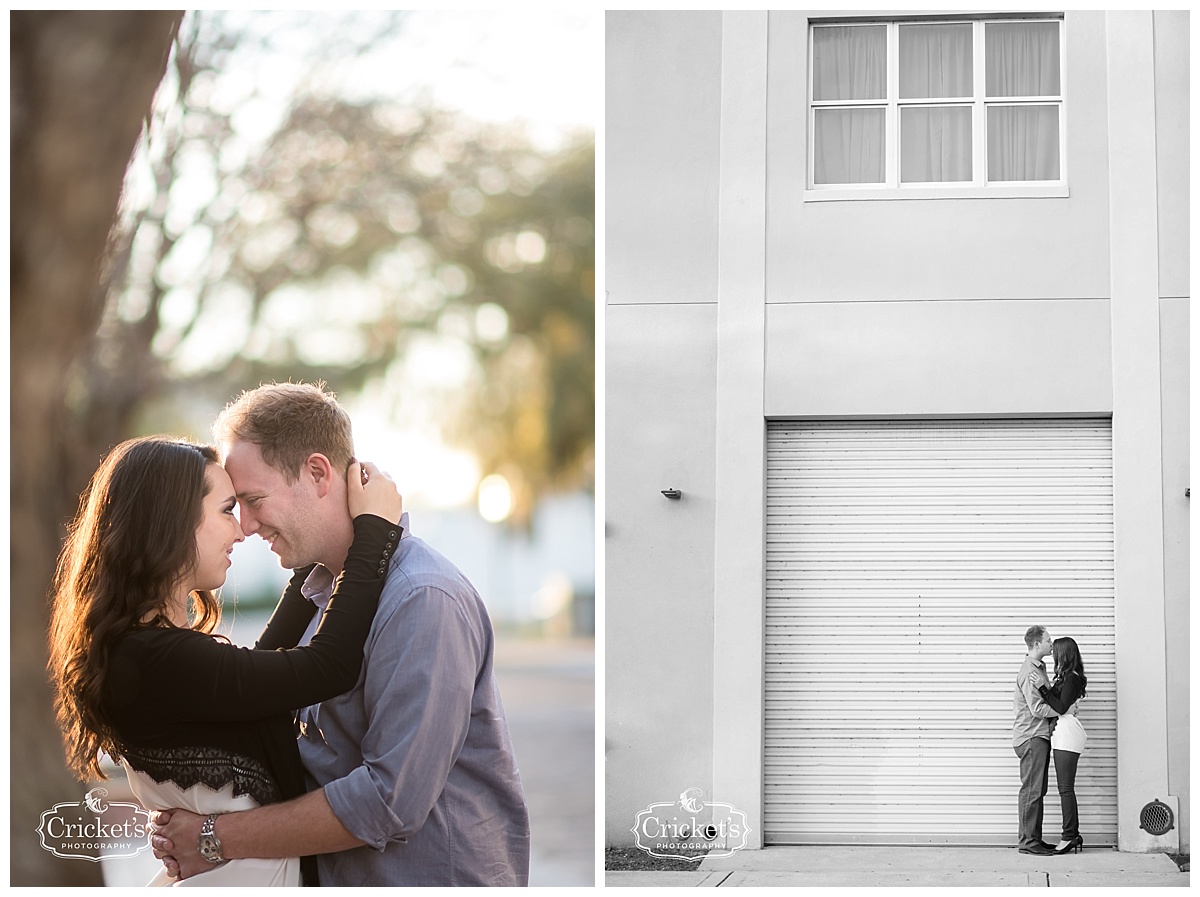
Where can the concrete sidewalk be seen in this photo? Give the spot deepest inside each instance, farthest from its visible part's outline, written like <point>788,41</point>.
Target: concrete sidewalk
<point>917,867</point>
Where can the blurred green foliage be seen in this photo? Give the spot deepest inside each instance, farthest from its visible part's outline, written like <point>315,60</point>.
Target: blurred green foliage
<point>361,226</point>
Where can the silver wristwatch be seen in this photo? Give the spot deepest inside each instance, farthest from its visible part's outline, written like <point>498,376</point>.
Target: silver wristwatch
<point>210,845</point>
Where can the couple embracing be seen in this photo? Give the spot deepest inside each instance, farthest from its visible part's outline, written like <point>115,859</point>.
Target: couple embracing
<point>1045,720</point>
<point>362,741</point>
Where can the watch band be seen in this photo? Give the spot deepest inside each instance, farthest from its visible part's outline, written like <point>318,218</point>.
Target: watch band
<point>210,844</point>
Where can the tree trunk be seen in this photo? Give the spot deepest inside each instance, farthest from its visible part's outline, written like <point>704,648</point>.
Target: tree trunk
<point>82,84</point>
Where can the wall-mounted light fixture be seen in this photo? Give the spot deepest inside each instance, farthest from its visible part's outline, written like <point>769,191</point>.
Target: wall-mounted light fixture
<point>673,494</point>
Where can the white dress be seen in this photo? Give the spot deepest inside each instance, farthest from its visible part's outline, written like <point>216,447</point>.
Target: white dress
<point>1069,734</point>
<point>201,799</point>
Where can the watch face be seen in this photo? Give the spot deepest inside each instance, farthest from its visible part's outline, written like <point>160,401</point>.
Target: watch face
<point>210,848</point>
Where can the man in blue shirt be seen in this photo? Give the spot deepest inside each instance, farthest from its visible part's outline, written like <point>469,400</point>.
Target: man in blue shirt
<point>414,778</point>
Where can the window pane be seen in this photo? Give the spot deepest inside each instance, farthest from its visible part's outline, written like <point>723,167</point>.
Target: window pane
<point>849,146</point>
<point>850,62</point>
<point>935,61</point>
<point>1022,143</point>
<point>1022,59</point>
<point>935,144</point>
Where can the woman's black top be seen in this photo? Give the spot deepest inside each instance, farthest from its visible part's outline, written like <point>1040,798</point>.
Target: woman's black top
<point>1063,694</point>
<point>190,708</point>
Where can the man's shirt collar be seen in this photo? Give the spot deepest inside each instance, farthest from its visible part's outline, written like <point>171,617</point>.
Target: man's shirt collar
<point>318,587</point>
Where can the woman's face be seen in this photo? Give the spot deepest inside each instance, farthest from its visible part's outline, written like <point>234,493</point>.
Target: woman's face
<point>218,531</point>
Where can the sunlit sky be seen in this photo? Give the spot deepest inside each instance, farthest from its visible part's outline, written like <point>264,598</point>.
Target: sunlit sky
<point>541,67</point>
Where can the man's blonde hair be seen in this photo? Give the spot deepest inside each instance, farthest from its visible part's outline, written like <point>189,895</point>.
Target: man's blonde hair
<point>288,422</point>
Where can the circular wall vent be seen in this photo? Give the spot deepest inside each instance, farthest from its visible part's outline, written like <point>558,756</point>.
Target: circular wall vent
<point>1157,818</point>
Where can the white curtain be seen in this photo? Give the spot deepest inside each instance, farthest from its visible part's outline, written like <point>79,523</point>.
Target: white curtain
<point>935,61</point>
<point>849,145</point>
<point>935,144</point>
<point>1022,60</point>
<point>850,62</point>
<point>1022,143</point>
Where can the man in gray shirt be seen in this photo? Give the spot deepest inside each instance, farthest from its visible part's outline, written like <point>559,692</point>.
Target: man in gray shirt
<point>414,778</point>
<point>1031,740</point>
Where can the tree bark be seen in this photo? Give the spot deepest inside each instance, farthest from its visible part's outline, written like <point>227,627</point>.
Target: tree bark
<point>82,85</point>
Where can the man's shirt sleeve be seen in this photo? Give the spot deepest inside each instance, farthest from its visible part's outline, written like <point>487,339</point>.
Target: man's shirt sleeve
<point>1033,699</point>
<point>418,692</point>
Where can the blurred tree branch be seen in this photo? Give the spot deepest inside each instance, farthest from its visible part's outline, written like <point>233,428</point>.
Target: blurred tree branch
<point>357,227</point>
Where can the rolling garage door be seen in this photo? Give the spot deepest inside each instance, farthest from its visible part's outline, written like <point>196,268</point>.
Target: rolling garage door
<point>905,561</point>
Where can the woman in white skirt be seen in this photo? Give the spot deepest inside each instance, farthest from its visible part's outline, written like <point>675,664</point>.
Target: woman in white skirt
<point>1069,737</point>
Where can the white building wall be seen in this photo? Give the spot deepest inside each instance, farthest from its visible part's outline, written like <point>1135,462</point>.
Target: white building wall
<point>1137,430</point>
<point>938,358</point>
<point>1172,123</point>
<point>658,609</point>
<point>663,101</point>
<point>663,117</point>
<point>740,552</point>
<point>1174,319</point>
<point>963,307</point>
<point>1172,126</point>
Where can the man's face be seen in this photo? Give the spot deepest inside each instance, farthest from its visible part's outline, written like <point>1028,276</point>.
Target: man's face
<point>1046,645</point>
<point>285,514</point>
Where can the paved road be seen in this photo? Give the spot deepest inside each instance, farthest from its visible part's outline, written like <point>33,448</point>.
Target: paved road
<point>548,690</point>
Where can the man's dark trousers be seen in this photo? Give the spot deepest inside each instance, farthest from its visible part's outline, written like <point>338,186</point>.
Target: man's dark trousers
<point>1035,765</point>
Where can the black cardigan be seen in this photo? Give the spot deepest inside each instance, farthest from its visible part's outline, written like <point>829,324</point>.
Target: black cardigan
<point>1063,694</point>
<point>191,708</point>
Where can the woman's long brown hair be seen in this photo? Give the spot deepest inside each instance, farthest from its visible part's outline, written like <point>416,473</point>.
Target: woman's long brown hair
<point>132,541</point>
<point>1067,660</point>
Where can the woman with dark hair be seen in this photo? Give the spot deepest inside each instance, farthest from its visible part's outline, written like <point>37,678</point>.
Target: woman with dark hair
<point>1068,738</point>
<point>196,721</point>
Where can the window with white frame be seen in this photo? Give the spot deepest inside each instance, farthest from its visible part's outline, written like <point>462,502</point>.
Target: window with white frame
<point>899,105</point>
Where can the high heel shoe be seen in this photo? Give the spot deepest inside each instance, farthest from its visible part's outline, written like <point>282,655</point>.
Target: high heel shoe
<point>1075,844</point>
